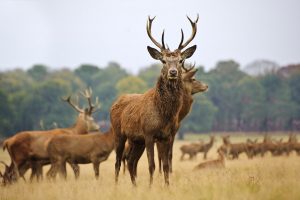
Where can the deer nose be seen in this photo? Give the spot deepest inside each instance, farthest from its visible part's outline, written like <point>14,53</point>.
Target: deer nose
<point>173,72</point>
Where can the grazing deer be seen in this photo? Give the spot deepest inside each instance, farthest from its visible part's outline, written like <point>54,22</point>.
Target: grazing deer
<point>218,163</point>
<point>146,118</point>
<point>8,177</point>
<point>28,149</point>
<point>79,149</point>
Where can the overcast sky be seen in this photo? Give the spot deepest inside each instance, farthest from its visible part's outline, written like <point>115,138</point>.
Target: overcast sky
<point>67,33</point>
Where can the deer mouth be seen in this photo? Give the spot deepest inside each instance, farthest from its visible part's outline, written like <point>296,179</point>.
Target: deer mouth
<point>172,78</point>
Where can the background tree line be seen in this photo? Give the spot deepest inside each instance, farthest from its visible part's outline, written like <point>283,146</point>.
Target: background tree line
<point>262,97</point>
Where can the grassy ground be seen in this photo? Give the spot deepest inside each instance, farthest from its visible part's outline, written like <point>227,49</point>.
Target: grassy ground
<point>260,178</point>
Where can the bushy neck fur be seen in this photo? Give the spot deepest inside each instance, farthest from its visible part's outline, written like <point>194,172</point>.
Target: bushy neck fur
<point>168,97</point>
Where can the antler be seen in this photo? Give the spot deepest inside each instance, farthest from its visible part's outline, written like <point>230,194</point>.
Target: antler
<point>72,104</point>
<point>3,163</point>
<point>88,95</point>
<point>194,27</point>
<point>149,25</point>
<point>190,68</point>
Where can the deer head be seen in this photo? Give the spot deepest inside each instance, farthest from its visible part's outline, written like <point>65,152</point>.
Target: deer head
<point>192,85</point>
<point>172,60</point>
<point>85,114</point>
<point>8,176</point>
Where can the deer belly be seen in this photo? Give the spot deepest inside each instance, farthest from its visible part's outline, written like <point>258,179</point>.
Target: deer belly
<point>79,160</point>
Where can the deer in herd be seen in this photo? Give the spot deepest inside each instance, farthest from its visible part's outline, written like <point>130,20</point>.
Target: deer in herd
<point>235,149</point>
<point>212,164</point>
<point>194,148</point>
<point>79,149</point>
<point>144,119</point>
<point>28,149</point>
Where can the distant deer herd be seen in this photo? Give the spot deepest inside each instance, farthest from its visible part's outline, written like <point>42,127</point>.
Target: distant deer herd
<point>138,122</point>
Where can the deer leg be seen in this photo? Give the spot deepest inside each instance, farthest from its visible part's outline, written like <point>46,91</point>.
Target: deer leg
<point>120,144</point>
<point>124,165</point>
<point>139,153</point>
<point>33,172</point>
<point>134,156</point>
<point>205,155</point>
<point>165,158</point>
<point>130,163</point>
<point>39,172</point>
<point>149,142</point>
<point>182,156</point>
<point>171,154</point>
<point>96,169</point>
<point>76,169</point>
<point>51,174</point>
<point>62,169</point>
<point>158,146</point>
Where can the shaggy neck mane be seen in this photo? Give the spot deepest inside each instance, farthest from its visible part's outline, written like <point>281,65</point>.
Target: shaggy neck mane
<point>168,98</point>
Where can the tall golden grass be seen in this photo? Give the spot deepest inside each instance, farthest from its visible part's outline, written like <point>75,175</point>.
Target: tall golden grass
<point>259,178</point>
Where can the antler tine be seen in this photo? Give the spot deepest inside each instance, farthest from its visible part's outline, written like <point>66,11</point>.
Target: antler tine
<point>182,38</point>
<point>194,31</point>
<point>190,68</point>
<point>68,99</point>
<point>163,39</point>
<point>88,95</point>
<point>193,66</point>
<point>148,27</point>
<point>96,106</point>
<point>3,163</point>
<point>167,46</point>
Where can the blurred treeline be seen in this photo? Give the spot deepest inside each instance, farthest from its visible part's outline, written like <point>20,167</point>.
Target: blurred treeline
<point>236,101</point>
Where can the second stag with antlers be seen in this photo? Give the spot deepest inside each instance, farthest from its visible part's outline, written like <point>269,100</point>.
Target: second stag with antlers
<point>153,116</point>
<point>28,149</point>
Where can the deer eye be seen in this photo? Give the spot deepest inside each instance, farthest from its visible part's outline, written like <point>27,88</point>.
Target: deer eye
<point>164,62</point>
<point>181,61</point>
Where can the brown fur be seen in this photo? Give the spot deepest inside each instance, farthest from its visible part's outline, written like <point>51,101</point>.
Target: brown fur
<point>193,149</point>
<point>28,149</point>
<point>190,149</point>
<point>235,149</point>
<point>218,163</point>
<point>152,116</point>
<point>191,87</point>
<point>79,149</point>
<point>149,114</point>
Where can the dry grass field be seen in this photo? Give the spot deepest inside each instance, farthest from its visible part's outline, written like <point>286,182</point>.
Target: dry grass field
<point>259,178</point>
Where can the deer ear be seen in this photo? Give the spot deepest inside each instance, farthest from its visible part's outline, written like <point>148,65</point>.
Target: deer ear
<point>189,52</point>
<point>154,53</point>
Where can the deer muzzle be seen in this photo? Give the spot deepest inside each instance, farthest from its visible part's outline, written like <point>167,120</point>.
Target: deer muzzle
<point>172,73</point>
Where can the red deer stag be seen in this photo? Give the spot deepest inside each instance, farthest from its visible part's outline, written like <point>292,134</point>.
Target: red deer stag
<point>152,116</point>
<point>28,149</point>
<point>191,86</point>
<point>79,149</point>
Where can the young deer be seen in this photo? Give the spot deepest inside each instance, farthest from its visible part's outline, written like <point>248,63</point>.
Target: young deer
<point>79,149</point>
<point>218,163</point>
